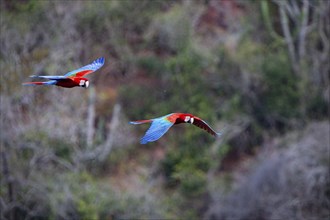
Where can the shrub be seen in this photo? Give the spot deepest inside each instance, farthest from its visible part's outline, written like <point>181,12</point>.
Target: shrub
<point>292,183</point>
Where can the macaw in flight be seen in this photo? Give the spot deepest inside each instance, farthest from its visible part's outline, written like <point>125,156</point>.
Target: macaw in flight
<point>70,79</point>
<point>159,126</point>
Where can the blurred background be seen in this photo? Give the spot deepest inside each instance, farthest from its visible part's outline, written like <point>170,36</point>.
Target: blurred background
<point>258,70</point>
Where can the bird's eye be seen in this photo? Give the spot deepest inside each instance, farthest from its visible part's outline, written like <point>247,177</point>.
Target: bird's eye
<point>186,119</point>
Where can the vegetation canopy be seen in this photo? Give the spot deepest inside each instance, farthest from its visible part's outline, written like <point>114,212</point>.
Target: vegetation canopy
<point>256,70</point>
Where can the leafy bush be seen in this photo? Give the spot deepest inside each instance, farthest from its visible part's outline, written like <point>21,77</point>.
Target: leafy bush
<point>162,57</point>
<point>152,65</point>
<point>171,31</point>
<point>281,95</point>
<point>289,184</point>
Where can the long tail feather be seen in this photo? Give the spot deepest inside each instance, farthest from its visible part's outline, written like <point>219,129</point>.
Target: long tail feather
<point>140,122</point>
<point>39,83</point>
<point>49,77</point>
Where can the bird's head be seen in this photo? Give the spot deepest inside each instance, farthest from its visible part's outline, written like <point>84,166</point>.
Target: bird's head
<point>83,82</point>
<point>189,119</point>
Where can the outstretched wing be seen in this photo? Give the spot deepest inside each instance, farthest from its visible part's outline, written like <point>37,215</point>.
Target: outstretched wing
<point>157,129</point>
<point>203,125</point>
<point>95,65</point>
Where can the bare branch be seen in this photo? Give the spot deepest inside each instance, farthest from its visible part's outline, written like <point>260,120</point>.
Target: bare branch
<point>295,8</point>
<point>113,126</point>
<point>288,37</point>
<point>303,29</point>
<point>102,151</point>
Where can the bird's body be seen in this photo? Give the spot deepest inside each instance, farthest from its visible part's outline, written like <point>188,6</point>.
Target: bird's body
<point>71,79</point>
<point>71,82</point>
<point>159,126</point>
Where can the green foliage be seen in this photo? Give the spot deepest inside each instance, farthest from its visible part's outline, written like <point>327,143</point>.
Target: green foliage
<point>281,96</point>
<point>186,168</point>
<point>243,58</point>
<point>276,93</point>
<point>153,65</point>
<point>87,204</point>
<point>168,167</point>
<point>40,136</point>
<point>267,9</point>
<point>223,150</point>
<point>87,198</point>
<point>188,88</point>
<point>228,83</point>
<point>109,22</point>
<point>136,96</point>
<point>232,107</point>
<point>60,147</point>
<point>183,88</point>
<point>156,67</point>
<point>172,30</point>
<point>28,6</point>
<point>186,164</point>
<point>192,178</point>
<point>317,107</point>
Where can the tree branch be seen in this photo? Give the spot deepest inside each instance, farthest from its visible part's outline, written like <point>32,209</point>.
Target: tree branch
<point>303,29</point>
<point>113,126</point>
<point>288,37</point>
<point>102,151</point>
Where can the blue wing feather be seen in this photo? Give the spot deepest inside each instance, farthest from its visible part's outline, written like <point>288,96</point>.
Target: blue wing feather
<point>157,129</point>
<point>95,65</point>
<point>50,77</point>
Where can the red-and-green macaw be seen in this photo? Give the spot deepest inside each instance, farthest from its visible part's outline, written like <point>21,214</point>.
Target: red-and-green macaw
<point>159,126</point>
<point>71,79</point>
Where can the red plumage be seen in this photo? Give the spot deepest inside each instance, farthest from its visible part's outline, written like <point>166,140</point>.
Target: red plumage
<point>161,125</point>
<point>178,118</point>
<point>73,78</point>
<point>71,82</point>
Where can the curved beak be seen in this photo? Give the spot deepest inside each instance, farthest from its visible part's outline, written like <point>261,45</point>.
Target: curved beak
<point>86,84</point>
